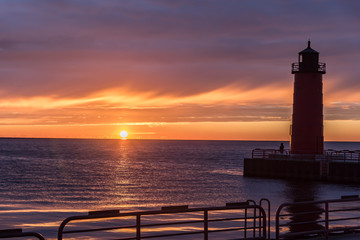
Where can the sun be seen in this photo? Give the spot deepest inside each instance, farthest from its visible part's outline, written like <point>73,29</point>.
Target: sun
<point>124,134</point>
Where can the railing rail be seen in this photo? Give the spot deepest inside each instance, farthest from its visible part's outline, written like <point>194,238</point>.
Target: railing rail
<point>308,218</point>
<point>18,233</point>
<point>255,223</point>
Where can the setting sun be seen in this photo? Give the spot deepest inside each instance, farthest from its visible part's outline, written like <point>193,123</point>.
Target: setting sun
<point>124,134</point>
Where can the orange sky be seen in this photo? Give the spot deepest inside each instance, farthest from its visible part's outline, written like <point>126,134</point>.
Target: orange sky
<point>213,115</point>
<point>165,70</point>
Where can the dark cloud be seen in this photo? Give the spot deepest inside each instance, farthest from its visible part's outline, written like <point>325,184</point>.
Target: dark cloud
<point>75,48</point>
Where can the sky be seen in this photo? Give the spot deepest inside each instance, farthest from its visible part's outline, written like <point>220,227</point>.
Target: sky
<point>204,69</point>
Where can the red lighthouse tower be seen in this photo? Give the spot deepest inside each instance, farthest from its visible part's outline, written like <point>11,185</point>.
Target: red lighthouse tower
<point>307,120</point>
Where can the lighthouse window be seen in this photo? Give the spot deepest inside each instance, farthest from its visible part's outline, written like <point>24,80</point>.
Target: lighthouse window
<point>300,58</point>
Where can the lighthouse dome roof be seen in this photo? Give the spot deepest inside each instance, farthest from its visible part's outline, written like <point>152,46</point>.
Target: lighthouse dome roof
<point>308,49</point>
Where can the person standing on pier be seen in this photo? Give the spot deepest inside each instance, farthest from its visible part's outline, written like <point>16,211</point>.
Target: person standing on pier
<point>281,149</point>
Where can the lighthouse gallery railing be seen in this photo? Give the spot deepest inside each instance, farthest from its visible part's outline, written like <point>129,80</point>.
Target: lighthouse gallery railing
<point>296,67</point>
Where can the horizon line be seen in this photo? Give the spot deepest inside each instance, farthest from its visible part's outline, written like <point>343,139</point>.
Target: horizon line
<point>172,139</point>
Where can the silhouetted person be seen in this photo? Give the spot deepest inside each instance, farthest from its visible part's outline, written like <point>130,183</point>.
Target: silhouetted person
<point>281,148</point>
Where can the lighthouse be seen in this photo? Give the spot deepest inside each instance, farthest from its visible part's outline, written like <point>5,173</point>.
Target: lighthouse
<point>307,135</point>
<point>307,159</point>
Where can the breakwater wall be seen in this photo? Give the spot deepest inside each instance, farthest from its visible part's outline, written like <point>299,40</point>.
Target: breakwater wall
<point>305,169</point>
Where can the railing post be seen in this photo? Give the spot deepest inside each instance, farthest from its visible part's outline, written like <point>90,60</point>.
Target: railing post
<point>262,212</point>
<point>61,228</point>
<point>326,220</point>
<point>260,226</point>
<point>254,218</point>
<point>277,222</point>
<point>206,224</point>
<point>269,212</point>
<point>138,227</point>
<point>245,223</point>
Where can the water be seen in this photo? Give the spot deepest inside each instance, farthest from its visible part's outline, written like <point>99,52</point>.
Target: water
<point>43,181</point>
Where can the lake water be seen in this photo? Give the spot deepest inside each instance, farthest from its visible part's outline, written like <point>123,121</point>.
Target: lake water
<point>43,181</point>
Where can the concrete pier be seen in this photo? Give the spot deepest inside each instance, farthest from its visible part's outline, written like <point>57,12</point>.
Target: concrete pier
<point>332,166</point>
<point>282,168</point>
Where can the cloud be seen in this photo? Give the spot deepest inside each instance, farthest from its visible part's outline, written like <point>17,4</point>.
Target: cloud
<point>124,107</point>
<point>174,50</point>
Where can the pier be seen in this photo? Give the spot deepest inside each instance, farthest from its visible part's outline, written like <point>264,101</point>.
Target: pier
<point>306,159</point>
<point>334,166</point>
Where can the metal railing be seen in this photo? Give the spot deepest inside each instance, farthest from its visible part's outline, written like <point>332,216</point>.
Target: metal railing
<point>18,233</point>
<point>296,67</point>
<point>343,155</point>
<point>329,155</point>
<point>317,218</point>
<point>322,67</point>
<point>268,153</point>
<point>249,220</point>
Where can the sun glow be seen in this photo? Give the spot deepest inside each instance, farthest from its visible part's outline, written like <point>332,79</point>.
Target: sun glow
<point>124,134</point>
